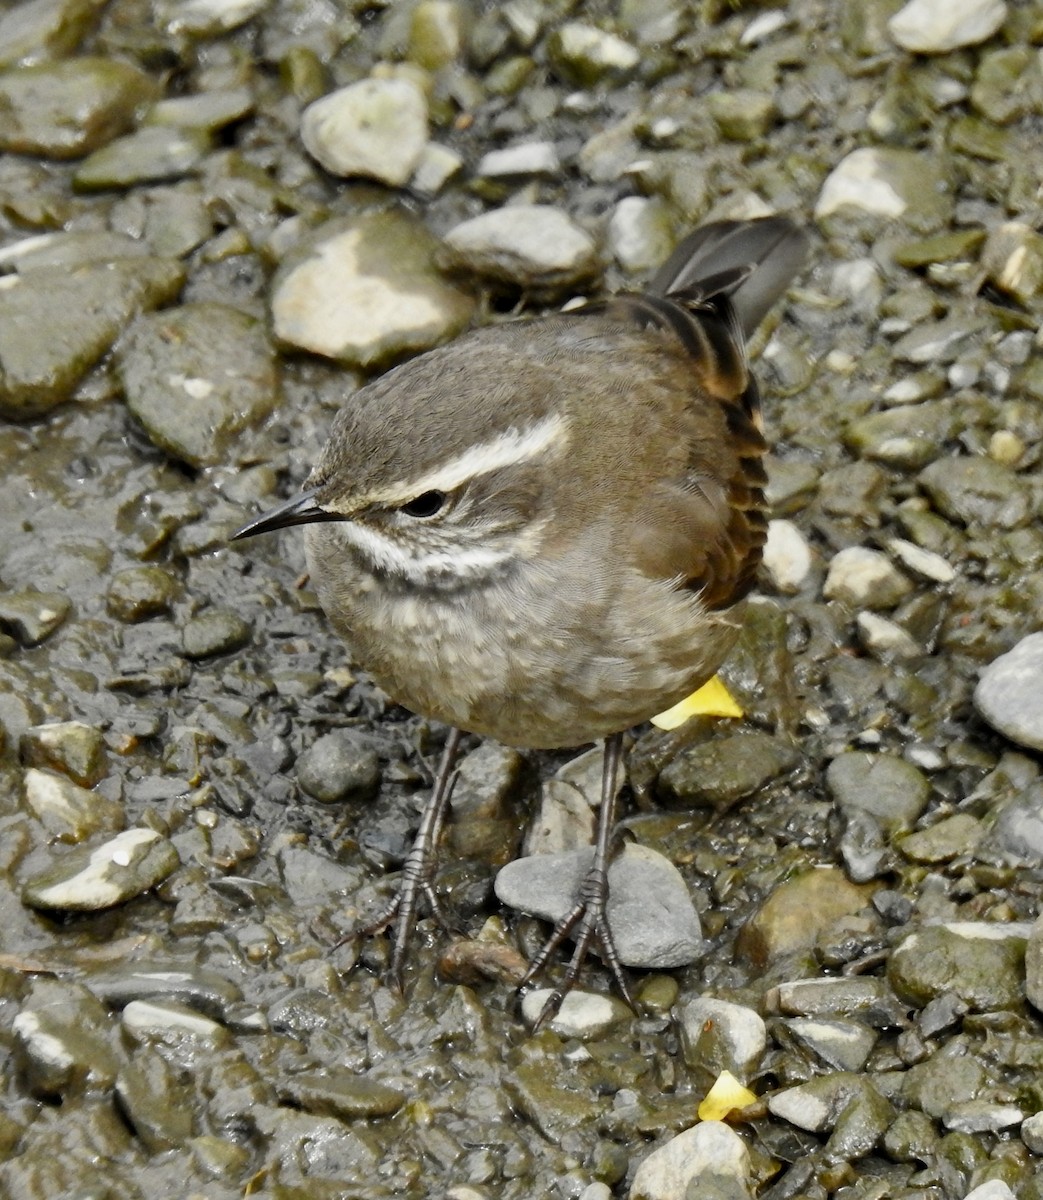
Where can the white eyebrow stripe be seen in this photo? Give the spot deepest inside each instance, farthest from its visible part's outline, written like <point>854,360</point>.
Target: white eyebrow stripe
<point>506,450</point>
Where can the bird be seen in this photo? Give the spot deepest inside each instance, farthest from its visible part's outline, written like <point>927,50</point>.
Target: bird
<point>544,532</point>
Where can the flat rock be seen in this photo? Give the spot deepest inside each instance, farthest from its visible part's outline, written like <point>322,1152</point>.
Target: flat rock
<point>981,963</point>
<point>68,812</point>
<point>1009,694</point>
<point>38,30</point>
<point>864,578</point>
<point>196,377</point>
<point>67,109</point>
<point>32,616</point>
<point>527,245</point>
<point>896,184</point>
<point>56,323</point>
<point>649,909</point>
<point>75,749</point>
<point>719,1035</point>
<point>93,878</point>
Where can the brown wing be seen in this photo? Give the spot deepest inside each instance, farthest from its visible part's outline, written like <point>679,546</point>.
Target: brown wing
<point>707,529</point>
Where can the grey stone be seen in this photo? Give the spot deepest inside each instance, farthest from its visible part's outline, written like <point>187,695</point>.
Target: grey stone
<point>209,992</point>
<point>338,765</point>
<point>949,838</point>
<point>210,110</point>
<point>719,1035</point>
<point>214,631</point>
<point>1009,694</point>
<point>863,578</point>
<point>724,770</point>
<point>889,788</point>
<point>819,1105</point>
<point>364,290</point>
<point>976,491</point>
<point>529,245</point>
<point>207,18</point>
<point>375,128</point>
<point>526,158</point>
<point>886,639</point>
<point>311,879</point>
<point>568,800</point>
<point>981,1116</point>
<point>1032,1133</point>
<point>945,1079</point>
<point>37,30</point>
<point>150,155</point>
<point>336,1092</point>
<point>196,377</point>
<point>649,910</point>
<point>89,879</point>
<point>843,1045</point>
<point>138,593</point>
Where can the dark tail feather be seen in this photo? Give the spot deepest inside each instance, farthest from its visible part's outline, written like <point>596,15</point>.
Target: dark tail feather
<point>751,262</point>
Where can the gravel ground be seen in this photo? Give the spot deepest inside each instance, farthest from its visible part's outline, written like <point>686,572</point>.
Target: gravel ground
<point>216,220</point>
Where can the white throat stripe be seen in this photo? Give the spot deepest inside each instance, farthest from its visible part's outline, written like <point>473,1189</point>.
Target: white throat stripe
<point>507,450</point>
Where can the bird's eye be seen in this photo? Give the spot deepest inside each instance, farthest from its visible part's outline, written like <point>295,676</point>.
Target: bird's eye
<point>427,504</point>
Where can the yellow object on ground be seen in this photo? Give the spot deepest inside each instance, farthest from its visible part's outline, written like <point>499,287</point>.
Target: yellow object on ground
<point>726,1095</point>
<point>711,700</point>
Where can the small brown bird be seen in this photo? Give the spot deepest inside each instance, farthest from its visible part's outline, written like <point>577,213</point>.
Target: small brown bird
<point>544,531</point>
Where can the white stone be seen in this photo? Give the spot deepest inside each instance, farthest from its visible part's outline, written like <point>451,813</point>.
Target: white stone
<point>210,16</point>
<point>376,128</point>
<point>529,158</point>
<point>862,181</point>
<point>524,239</point>
<point>96,885</point>
<point>882,636</point>
<point>1032,1133</point>
<point>638,233</point>
<point>864,578</point>
<point>438,164</point>
<point>922,562</point>
<point>937,26</point>
<point>148,1018</point>
<point>1009,694</point>
<point>787,557</point>
<point>740,1029</point>
<point>709,1148</point>
<point>801,1108</point>
<point>992,1189</point>
<point>581,1015</point>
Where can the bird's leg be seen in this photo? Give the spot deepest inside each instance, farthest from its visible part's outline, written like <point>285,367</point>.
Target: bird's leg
<point>589,914</point>
<point>418,870</point>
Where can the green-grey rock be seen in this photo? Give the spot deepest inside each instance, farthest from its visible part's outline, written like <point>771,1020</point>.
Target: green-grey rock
<point>742,115</point>
<point>214,631</point>
<point>908,436</point>
<point>981,963</point>
<point>32,616</point>
<point>71,747</point>
<point>946,839</point>
<point>92,878</point>
<point>722,771</point>
<point>67,109</point>
<point>435,33</point>
<point>55,324</point>
<point>976,491</point>
<point>150,155</point>
<point>140,592</point>
<point>864,578</point>
<point>583,55</point>
<point>365,291</point>
<point>895,184</point>
<point>1013,261</point>
<point>156,1100</point>
<point>62,1039</point>
<point>797,912</point>
<point>196,377</point>
<point>943,1080</point>
<point>37,30</point>
<point>209,111</point>
<point>336,1092</point>
<point>889,788</point>
<point>68,812</point>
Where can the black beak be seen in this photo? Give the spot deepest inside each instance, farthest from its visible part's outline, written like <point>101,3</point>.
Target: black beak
<point>301,510</point>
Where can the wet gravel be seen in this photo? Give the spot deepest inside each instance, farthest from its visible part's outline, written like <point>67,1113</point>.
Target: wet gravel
<point>216,220</point>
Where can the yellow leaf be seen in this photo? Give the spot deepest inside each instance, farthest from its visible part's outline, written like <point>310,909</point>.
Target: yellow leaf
<point>711,700</point>
<point>726,1095</point>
